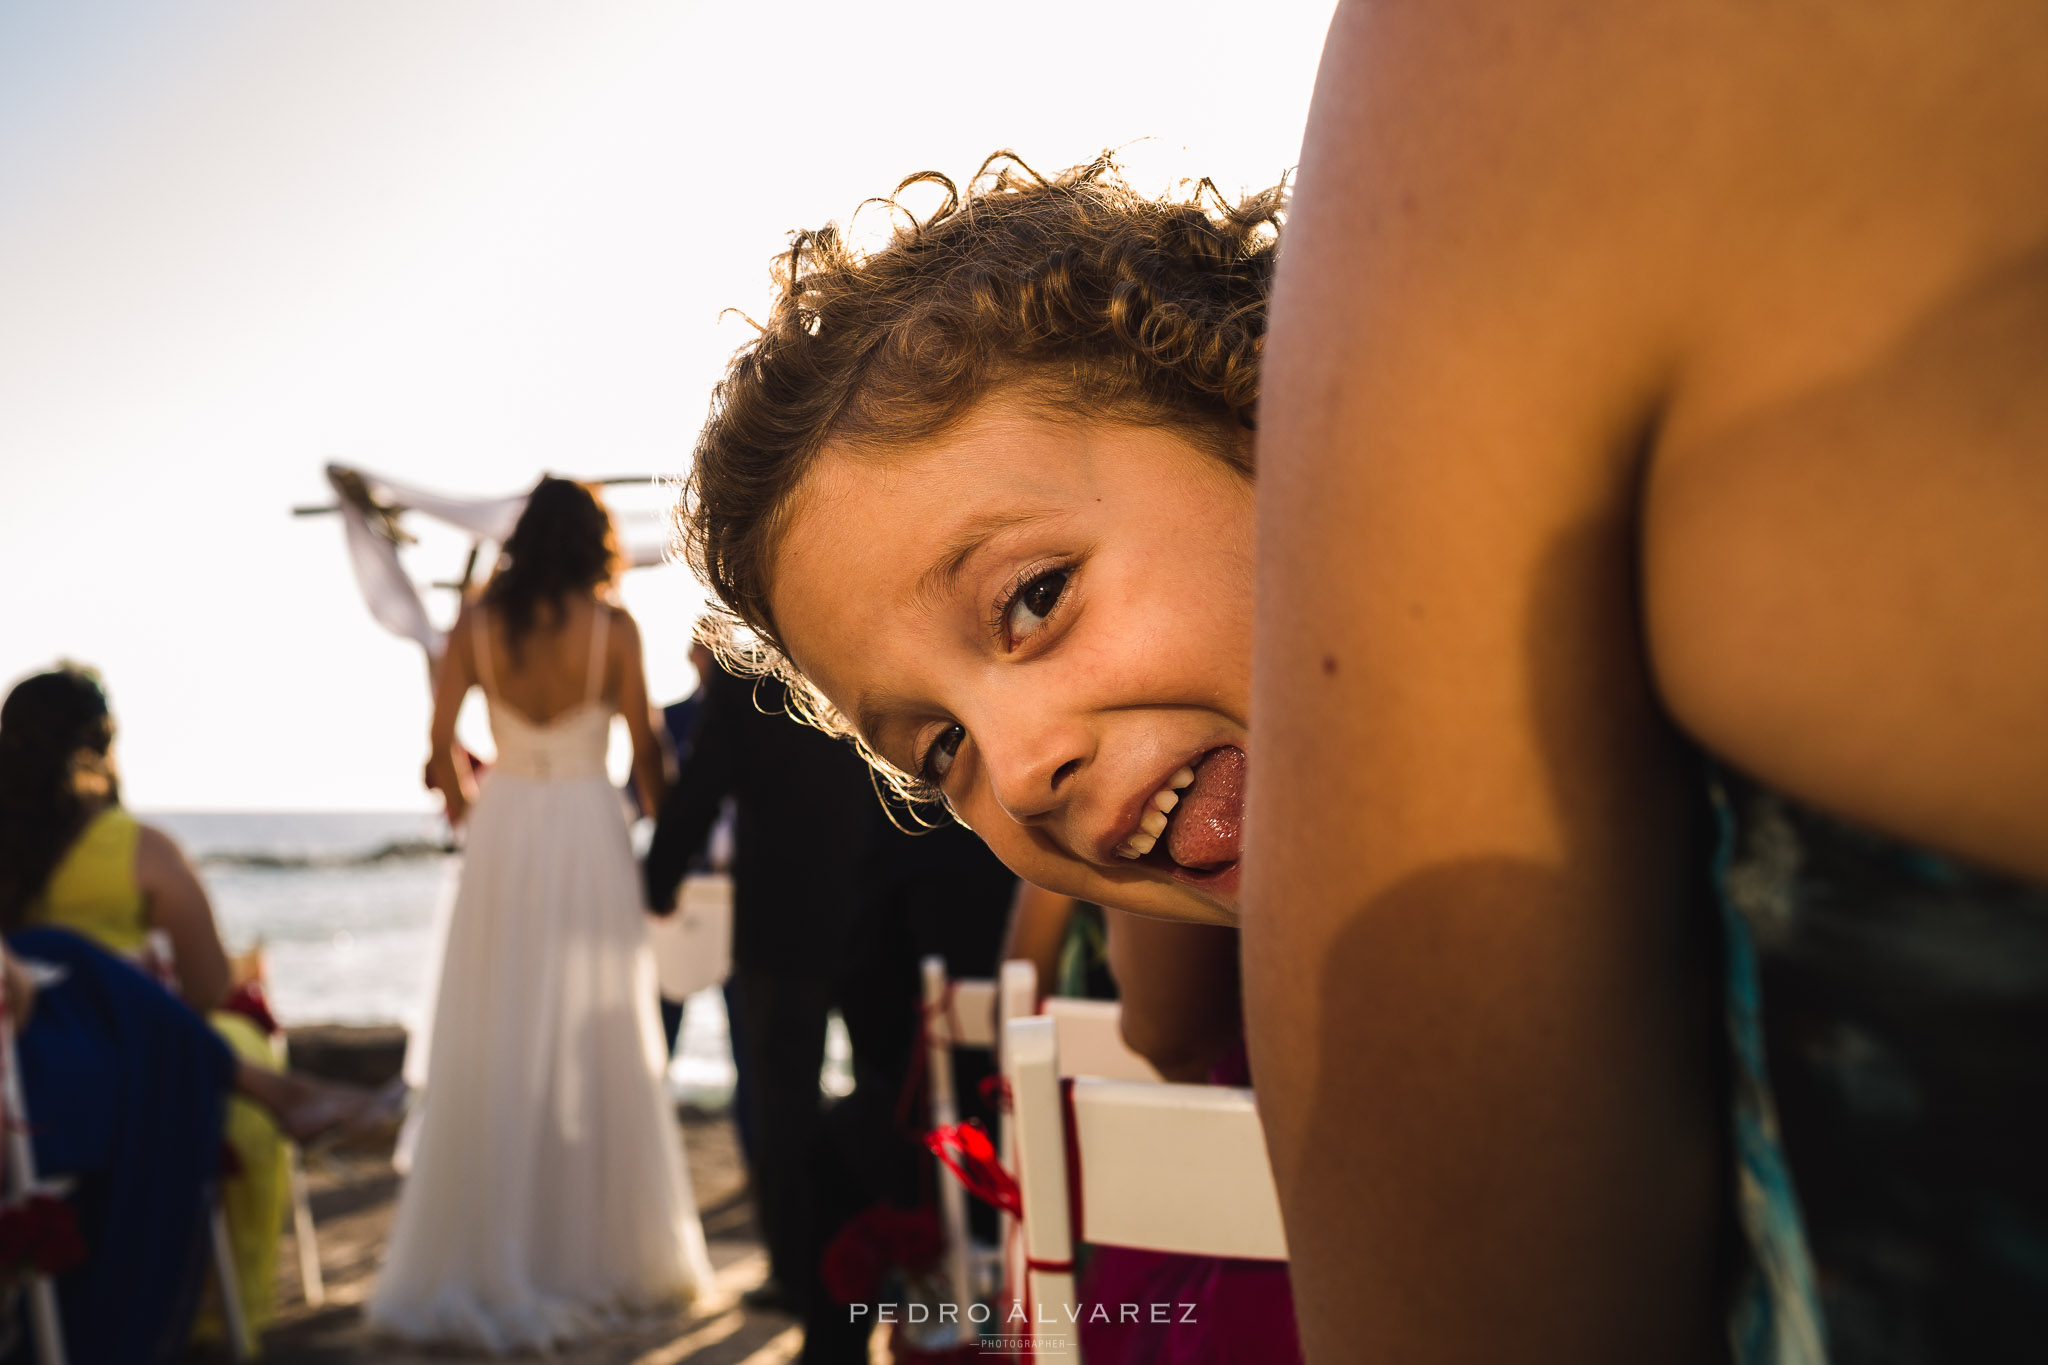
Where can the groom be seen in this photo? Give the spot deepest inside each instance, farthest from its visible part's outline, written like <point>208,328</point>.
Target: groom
<point>805,823</point>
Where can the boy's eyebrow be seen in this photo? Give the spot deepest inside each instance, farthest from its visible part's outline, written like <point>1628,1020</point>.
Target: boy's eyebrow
<point>869,720</point>
<point>874,717</point>
<point>937,581</point>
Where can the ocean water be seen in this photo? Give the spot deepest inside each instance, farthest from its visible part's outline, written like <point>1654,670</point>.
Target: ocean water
<point>348,906</point>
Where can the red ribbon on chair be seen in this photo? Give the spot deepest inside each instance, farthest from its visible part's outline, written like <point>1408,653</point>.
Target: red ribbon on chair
<point>967,1153</point>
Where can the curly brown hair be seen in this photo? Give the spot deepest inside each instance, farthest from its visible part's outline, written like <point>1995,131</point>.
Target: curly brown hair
<point>1075,290</point>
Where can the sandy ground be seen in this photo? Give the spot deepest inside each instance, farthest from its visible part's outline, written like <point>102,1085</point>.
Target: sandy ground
<point>352,1193</point>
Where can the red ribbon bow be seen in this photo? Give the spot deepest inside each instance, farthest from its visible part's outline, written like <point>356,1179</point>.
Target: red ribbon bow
<point>967,1153</point>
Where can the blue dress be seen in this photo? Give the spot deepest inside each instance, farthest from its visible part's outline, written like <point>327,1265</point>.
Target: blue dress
<point>127,1096</point>
<point>1888,1020</point>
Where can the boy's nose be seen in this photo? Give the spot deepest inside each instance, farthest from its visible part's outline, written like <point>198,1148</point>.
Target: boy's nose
<point>1032,770</point>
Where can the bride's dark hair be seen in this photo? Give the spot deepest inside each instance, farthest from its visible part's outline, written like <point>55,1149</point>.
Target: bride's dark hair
<point>55,770</point>
<point>564,543</point>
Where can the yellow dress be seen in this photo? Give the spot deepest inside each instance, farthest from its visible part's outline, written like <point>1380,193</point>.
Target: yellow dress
<point>94,892</point>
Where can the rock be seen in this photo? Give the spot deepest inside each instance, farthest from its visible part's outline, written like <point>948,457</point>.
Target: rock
<point>360,1054</point>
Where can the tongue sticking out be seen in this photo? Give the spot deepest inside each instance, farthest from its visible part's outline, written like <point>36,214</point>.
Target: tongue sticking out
<point>1209,821</point>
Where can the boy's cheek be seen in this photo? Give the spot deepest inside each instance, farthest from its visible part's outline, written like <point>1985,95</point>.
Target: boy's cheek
<point>1065,874</point>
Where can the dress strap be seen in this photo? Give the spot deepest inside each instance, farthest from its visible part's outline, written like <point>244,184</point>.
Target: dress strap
<point>600,621</point>
<point>480,641</point>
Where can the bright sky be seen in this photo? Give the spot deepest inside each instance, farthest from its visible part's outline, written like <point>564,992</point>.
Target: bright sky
<point>459,243</point>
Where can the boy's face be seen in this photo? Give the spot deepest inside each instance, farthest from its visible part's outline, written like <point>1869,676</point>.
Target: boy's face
<point>1050,621</point>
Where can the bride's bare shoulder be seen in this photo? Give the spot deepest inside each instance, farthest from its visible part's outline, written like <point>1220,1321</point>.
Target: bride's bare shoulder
<point>622,624</point>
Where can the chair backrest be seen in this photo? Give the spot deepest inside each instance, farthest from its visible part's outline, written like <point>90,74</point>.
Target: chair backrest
<point>1091,1038</point>
<point>1146,1164</point>
<point>967,1016</point>
<point>1175,1168</point>
<point>968,1013</point>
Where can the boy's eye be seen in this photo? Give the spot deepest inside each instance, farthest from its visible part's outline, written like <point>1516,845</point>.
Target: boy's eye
<point>1036,602</point>
<point>938,760</point>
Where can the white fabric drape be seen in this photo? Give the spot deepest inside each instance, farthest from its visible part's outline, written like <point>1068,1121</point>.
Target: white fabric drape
<point>389,591</point>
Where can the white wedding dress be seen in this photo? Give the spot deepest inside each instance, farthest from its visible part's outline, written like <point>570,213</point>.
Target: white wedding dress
<point>547,1193</point>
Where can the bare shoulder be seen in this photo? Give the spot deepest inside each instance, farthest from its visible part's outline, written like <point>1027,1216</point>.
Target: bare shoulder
<point>1846,588</point>
<point>624,648</point>
<point>1845,519</point>
<point>157,856</point>
<point>1695,156</point>
<point>623,626</point>
<point>1776,277</point>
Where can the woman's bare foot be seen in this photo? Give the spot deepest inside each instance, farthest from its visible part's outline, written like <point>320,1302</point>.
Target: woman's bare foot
<point>311,1111</point>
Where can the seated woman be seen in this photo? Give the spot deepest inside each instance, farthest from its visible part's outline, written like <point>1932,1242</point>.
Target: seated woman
<point>126,1091</point>
<point>71,857</point>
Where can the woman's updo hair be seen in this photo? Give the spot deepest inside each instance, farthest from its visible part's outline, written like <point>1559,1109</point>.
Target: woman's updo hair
<point>564,543</point>
<point>1077,292</point>
<point>56,770</point>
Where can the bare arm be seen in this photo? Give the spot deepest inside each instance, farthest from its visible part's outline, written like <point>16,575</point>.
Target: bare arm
<point>1178,982</point>
<point>653,763</point>
<point>21,990</point>
<point>1037,930</point>
<point>176,903</point>
<point>1481,1056</point>
<point>447,771</point>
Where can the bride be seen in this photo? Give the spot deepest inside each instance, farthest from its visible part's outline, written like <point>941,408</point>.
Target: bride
<point>547,1191</point>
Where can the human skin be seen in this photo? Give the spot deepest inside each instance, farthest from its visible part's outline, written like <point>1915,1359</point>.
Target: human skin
<point>175,901</point>
<point>1182,1009</point>
<point>1177,982</point>
<point>304,1106</point>
<point>1067,726</point>
<point>1630,365</point>
<point>1036,932</point>
<point>552,679</point>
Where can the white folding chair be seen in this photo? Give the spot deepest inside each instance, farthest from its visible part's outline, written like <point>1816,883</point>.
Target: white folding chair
<point>312,1284</point>
<point>967,1013</point>
<point>1091,1037</point>
<point>234,1326</point>
<point>1179,1168</point>
<point>44,1324</point>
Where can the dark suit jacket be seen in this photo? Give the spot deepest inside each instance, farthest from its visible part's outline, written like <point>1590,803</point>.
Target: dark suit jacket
<point>806,821</point>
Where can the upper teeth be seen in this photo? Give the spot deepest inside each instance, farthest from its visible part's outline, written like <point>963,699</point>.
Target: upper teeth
<point>1152,824</point>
